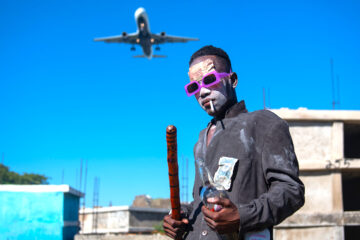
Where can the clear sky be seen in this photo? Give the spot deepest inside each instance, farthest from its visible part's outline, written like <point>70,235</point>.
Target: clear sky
<point>64,97</point>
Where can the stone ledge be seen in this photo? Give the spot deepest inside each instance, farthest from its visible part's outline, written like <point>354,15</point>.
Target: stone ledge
<point>351,218</point>
<point>303,114</point>
<point>341,164</point>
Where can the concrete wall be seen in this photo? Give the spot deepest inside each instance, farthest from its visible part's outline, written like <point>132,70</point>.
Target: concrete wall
<point>308,137</point>
<point>121,219</point>
<point>321,192</point>
<point>319,142</point>
<point>323,233</point>
<point>122,237</point>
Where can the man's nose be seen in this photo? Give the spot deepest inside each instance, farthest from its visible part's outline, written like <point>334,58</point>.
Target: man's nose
<point>204,92</point>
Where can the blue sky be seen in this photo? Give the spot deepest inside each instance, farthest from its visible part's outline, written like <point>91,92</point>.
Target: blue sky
<point>64,97</point>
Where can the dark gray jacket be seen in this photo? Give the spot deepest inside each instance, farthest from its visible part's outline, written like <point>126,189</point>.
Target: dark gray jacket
<point>264,183</point>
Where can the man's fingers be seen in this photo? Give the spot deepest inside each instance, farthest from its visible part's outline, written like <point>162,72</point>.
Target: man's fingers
<point>225,202</point>
<point>174,228</point>
<point>168,226</point>
<point>171,232</point>
<point>174,223</point>
<point>207,212</point>
<point>170,235</point>
<point>212,224</point>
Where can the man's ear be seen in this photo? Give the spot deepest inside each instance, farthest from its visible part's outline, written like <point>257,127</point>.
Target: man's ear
<point>234,79</point>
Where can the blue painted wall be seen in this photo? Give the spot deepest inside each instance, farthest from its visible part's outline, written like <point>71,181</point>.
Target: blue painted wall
<point>32,215</point>
<point>71,214</point>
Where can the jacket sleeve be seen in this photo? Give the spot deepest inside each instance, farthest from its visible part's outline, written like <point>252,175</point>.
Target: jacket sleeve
<point>285,192</point>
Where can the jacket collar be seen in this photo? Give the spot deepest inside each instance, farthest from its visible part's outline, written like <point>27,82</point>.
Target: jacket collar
<point>232,111</point>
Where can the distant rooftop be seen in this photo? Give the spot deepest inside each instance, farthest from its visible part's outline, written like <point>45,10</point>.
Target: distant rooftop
<point>124,208</point>
<point>304,114</point>
<point>40,188</point>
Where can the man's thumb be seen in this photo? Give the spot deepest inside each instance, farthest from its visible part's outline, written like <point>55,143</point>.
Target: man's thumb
<point>185,220</point>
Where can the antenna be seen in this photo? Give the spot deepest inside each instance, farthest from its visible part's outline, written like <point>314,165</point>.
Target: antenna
<point>182,178</point>
<point>85,180</point>
<point>332,82</point>
<point>81,163</point>
<point>95,204</point>
<point>84,202</point>
<point>76,179</point>
<point>338,89</point>
<point>187,180</point>
<point>335,89</point>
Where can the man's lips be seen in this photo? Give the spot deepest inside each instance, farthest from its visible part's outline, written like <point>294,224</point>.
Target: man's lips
<point>206,103</point>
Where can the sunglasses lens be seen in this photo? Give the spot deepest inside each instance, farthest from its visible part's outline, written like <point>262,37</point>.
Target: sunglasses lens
<point>209,79</point>
<point>192,87</point>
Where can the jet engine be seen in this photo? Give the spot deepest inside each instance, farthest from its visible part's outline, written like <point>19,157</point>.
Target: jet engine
<point>124,34</point>
<point>162,34</point>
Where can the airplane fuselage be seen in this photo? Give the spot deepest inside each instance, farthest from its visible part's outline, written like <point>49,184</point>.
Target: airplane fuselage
<point>144,37</point>
<point>143,26</point>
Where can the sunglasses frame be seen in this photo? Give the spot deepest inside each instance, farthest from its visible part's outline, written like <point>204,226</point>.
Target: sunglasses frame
<point>217,75</point>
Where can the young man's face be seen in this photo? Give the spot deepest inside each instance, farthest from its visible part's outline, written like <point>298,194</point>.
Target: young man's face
<point>218,94</point>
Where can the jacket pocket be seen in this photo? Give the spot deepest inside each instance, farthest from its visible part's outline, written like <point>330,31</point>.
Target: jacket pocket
<point>223,175</point>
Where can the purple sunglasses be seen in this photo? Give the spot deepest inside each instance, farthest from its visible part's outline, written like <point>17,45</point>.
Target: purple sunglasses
<point>208,80</point>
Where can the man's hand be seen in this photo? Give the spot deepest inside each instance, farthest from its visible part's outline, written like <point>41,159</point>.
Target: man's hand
<point>174,229</point>
<point>226,220</point>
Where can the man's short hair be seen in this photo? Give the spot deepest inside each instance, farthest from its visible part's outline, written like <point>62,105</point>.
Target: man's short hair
<point>211,50</point>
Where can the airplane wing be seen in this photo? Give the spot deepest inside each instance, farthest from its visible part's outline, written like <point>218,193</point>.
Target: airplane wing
<point>153,56</point>
<point>124,38</point>
<point>162,38</point>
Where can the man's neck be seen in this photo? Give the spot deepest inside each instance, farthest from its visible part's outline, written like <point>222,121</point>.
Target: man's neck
<point>227,106</point>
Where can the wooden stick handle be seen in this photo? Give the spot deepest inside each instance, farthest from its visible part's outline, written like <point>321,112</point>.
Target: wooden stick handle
<point>173,171</point>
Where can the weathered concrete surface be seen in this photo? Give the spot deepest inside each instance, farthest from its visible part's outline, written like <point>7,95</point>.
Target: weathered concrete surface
<point>337,141</point>
<point>320,144</point>
<point>321,220</point>
<point>121,219</point>
<point>324,233</point>
<point>304,114</point>
<point>122,237</point>
<point>146,201</point>
<point>321,192</point>
<point>116,221</point>
<point>312,142</point>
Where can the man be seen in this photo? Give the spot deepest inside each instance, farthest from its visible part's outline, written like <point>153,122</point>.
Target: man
<point>250,155</point>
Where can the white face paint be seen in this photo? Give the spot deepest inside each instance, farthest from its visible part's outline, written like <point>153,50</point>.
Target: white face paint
<point>217,94</point>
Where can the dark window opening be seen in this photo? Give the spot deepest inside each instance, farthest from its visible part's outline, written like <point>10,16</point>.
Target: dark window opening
<point>352,232</point>
<point>352,140</point>
<point>350,191</point>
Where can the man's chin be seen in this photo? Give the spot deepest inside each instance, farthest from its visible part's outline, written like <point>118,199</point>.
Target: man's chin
<point>210,112</point>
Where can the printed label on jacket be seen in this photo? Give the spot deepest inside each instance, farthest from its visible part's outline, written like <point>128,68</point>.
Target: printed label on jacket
<point>225,171</point>
<point>262,235</point>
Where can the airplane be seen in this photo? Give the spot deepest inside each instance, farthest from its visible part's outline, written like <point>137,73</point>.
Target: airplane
<point>144,37</point>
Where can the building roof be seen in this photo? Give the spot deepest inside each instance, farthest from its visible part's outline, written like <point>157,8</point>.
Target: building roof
<point>40,188</point>
<point>124,208</point>
<point>304,114</point>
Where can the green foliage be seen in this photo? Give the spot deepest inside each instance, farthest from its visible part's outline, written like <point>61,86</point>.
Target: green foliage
<point>158,228</point>
<point>9,177</point>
